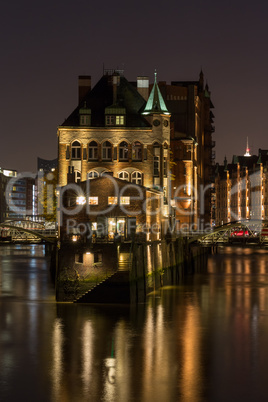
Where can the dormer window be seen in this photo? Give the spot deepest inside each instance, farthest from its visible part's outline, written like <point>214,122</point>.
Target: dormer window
<point>109,120</point>
<point>85,116</point>
<point>115,116</point>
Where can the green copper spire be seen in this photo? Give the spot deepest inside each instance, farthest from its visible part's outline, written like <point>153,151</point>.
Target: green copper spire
<point>155,103</point>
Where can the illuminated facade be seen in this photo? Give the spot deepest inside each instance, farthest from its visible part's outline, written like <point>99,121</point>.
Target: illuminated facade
<point>242,188</point>
<point>111,208</point>
<point>115,130</point>
<point>135,131</point>
<point>190,105</point>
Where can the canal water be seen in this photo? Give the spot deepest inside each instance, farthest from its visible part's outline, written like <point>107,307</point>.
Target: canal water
<point>204,340</point>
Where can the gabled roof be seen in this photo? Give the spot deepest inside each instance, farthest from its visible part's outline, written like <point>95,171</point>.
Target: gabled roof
<point>155,103</point>
<point>102,97</point>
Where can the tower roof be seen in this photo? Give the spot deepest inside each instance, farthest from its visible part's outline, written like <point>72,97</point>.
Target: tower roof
<point>155,103</point>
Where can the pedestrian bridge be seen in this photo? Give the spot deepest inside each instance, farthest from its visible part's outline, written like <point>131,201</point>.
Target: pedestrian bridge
<point>19,230</point>
<point>246,231</point>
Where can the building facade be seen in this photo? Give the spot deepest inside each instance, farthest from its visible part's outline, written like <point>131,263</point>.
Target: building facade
<point>242,188</point>
<point>158,136</point>
<point>109,208</point>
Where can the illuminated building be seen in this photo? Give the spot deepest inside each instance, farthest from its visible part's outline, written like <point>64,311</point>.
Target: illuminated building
<point>110,207</point>
<point>189,103</point>
<point>130,130</point>
<point>242,188</point>
<point>115,130</point>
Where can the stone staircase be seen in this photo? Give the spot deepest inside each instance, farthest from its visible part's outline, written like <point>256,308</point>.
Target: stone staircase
<point>114,289</point>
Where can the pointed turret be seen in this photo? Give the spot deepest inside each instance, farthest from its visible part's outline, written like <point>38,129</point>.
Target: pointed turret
<point>155,103</point>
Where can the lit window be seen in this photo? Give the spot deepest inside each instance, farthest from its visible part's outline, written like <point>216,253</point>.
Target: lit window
<point>94,225</point>
<point>93,200</point>
<point>80,200</point>
<point>124,176</point>
<point>124,200</point>
<point>112,200</point>
<point>107,150</point>
<point>76,150</point>
<point>93,150</point>
<point>119,121</point>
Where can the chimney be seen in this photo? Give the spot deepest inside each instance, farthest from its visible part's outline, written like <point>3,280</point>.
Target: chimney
<point>84,86</point>
<point>143,87</point>
<point>116,82</point>
<point>70,175</point>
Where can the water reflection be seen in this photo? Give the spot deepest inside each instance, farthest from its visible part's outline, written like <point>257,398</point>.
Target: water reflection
<point>204,340</point>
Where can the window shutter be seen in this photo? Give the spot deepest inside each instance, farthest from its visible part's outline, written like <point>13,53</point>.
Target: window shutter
<point>84,154</point>
<point>115,153</point>
<point>67,152</point>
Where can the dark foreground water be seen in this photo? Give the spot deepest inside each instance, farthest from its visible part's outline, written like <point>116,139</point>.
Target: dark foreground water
<point>205,340</point>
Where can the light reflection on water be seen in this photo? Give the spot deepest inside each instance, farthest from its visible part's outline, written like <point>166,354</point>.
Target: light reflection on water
<point>204,340</point>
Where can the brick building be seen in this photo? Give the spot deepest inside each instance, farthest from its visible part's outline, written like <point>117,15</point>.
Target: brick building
<point>108,207</point>
<point>242,188</point>
<point>190,106</point>
<point>128,130</point>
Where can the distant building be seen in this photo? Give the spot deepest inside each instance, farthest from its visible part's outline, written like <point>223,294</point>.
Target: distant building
<point>242,188</point>
<point>5,176</point>
<point>46,165</point>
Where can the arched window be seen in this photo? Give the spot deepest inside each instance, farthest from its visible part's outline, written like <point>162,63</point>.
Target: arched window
<point>77,176</point>
<point>92,175</point>
<point>123,151</point>
<point>136,178</point>
<point>92,151</point>
<point>137,151</point>
<point>76,150</point>
<point>107,150</point>
<point>124,176</point>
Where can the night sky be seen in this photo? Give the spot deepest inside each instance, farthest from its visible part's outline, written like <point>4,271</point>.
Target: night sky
<point>46,45</point>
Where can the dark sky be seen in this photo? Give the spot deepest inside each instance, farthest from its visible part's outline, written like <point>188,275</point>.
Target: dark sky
<point>46,45</point>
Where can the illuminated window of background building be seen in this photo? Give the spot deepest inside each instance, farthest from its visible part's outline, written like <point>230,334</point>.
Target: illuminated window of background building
<point>112,200</point>
<point>94,225</point>
<point>76,150</point>
<point>92,174</point>
<point>107,150</point>
<point>93,200</point>
<point>137,151</point>
<point>81,200</point>
<point>124,176</point>
<point>124,200</point>
<point>92,151</point>
<point>123,151</point>
<point>136,178</point>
